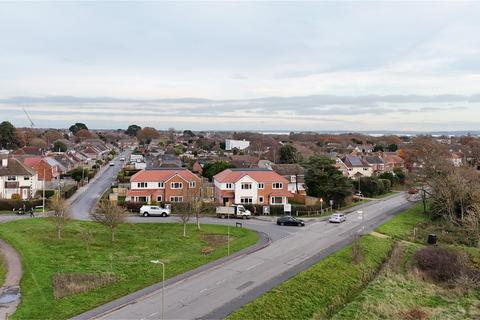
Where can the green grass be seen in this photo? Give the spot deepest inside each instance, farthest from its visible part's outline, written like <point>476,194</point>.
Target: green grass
<point>401,226</point>
<point>3,270</point>
<point>128,258</point>
<point>397,291</point>
<point>319,290</point>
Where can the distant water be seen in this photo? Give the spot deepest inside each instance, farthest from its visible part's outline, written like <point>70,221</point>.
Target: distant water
<point>381,133</point>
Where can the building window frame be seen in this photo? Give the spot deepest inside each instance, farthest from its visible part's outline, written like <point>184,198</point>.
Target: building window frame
<point>246,200</point>
<point>176,199</point>
<point>277,185</point>
<point>261,199</point>
<point>246,186</point>
<point>176,185</point>
<point>261,185</point>
<point>142,184</point>
<point>161,185</point>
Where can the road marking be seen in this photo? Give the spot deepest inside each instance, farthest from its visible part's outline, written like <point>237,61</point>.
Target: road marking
<point>251,267</point>
<point>203,290</point>
<point>153,314</point>
<point>220,282</point>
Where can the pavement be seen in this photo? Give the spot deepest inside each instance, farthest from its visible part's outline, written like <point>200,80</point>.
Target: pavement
<point>216,291</point>
<point>10,291</point>
<point>85,199</point>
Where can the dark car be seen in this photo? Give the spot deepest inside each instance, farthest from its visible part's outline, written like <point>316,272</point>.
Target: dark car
<point>290,221</point>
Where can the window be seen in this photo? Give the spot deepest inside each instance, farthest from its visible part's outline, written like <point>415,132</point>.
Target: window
<point>191,184</point>
<point>277,185</point>
<point>12,178</point>
<point>246,200</point>
<point>176,185</point>
<point>261,186</point>
<point>176,199</point>
<point>293,179</point>
<point>161,185</point>
<point>277,200</point>
<point>159,198</point>
<point>246,186</point>
<point>260,199</point>
<point>365,169</point>
<point>229,186</point>
<point>142,184</point>
<point>26,178</point>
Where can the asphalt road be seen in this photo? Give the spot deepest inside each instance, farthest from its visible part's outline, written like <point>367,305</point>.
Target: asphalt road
<point>86,198</point>
<point>216,292</point>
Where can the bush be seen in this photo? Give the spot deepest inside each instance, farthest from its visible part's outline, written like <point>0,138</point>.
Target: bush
<point>16,196</point>
<point>121,200</point>
<point>10,205</point>
<point>48,193</point>
<point>69,191</point>
<point>440,265</point>
<point>133,206</point>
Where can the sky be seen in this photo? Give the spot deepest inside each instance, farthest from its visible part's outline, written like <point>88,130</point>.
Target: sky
<point>355,66</point>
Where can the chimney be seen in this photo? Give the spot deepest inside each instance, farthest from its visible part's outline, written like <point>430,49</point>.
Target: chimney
<point>5,162</point>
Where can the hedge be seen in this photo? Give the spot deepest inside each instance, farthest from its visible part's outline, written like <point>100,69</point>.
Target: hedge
<point>69,191</point>
<point>48,193</point>
<point>10,205</point>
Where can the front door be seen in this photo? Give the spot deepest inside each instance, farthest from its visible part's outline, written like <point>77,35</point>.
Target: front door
<point>25,193</point>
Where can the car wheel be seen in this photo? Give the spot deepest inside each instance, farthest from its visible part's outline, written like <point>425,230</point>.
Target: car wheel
<point>222,216</point>
<point>282,224</point>
<point>145,214</point>
<point>164,214</point>
<point>244,217</point>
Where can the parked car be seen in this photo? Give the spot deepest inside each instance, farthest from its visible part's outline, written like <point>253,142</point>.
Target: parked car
<point>235,211</point>
<point>337,218</point>
<point>290,221</point>
<point>148,210</point>
<point>122,159</point>
<point>111,163</point>
<point>412,191</point>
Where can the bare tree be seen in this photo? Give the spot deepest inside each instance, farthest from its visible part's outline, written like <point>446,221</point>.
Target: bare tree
<point>59,214</point>
<point>110,215</point>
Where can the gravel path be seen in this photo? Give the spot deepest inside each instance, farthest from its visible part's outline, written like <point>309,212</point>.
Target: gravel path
<point>10,292</point>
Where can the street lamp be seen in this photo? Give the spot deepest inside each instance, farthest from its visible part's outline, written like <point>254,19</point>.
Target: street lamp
<point>163,283</point>
<point>321,205</point>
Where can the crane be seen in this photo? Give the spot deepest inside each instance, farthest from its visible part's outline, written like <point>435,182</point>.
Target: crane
<point>32,125</point>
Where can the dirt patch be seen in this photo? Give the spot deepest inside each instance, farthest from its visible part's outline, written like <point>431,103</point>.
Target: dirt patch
<point>215,240</point>
<point>415,314</point>
<point>66,284</point>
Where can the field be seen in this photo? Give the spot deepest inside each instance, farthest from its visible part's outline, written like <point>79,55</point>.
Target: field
<point>86,255</point>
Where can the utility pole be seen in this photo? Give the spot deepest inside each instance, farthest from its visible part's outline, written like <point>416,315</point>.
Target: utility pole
<point>43,192</point>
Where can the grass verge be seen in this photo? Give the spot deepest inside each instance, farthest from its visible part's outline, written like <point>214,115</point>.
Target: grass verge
<point>85,248</point>
<point>401,226</point>
<point>321,289</point>
<point>399,293</point>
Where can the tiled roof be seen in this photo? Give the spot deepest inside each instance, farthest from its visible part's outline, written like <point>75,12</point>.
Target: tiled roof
<point>16,168</point>
<point>288,169</point>
<point>162,174</point>
<point>257,174</point>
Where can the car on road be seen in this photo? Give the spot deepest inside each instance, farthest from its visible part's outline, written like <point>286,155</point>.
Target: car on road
<point>111,163</point>
<point>412,191</point>
<point>290,221</point>
<point>337,218</point>
<point>147,211</point>
<point>122,159</point>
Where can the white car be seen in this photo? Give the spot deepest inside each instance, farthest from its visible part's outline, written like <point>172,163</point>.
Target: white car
<point>147,211</point>
<point>337,218</point>
<point>111,163</point>
<point>122,159</point>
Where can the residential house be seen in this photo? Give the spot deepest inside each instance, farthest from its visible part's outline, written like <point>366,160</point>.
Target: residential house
<point>197,167</point>
<point>163,185</point>
<point>295,174</point>
<point>393,161</point>
<point>376,162</point>
<point>16,178</point>
<point>47,168</point>
<point>251,186</point>
<point>364,148</point>
<point>244,161</point>
<point>231,144</point>
<point>33,151</point>
<point>456,158</point>
<point>357,167</point>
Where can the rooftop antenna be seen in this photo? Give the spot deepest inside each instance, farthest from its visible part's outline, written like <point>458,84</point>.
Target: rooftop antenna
<point>32,125</point>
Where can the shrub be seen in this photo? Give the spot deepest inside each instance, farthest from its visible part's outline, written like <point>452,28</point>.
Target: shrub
<point>16,196</point>
<point>73,283</point>
<point>9,205</point>
<point>48,193</point>
<point>440,265</point>
<point>69,191</point>
<point>133,206</point>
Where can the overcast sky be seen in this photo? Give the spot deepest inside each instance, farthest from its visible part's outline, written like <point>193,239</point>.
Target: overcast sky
<point>242,66</point>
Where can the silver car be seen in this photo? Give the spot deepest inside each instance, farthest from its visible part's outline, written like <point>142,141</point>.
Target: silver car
<point>147,211</point>
<point>337,218</point>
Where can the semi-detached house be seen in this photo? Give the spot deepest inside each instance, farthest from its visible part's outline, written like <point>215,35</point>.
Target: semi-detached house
<point>251,186</point>
<point>163,185</point>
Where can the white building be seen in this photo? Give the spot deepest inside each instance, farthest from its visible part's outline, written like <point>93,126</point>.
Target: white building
<point>16,178</point>
<point>236,144</point>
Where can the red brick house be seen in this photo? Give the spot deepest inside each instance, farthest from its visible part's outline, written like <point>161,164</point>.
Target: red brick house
<point>163,185</point>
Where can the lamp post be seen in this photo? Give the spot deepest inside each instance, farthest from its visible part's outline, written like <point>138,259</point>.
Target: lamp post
<point>228,232</point>
<point>163,284</point>
<point>43,192</point>
<point>321,205</point>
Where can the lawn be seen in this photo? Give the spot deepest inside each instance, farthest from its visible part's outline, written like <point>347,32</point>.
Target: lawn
<point>401,226</point>
<point>397,293</point>
<point>85,248</point>
<point>318,291</point>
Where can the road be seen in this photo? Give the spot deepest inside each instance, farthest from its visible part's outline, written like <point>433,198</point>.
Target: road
<point>216,292</point>
<point>86,198</point>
